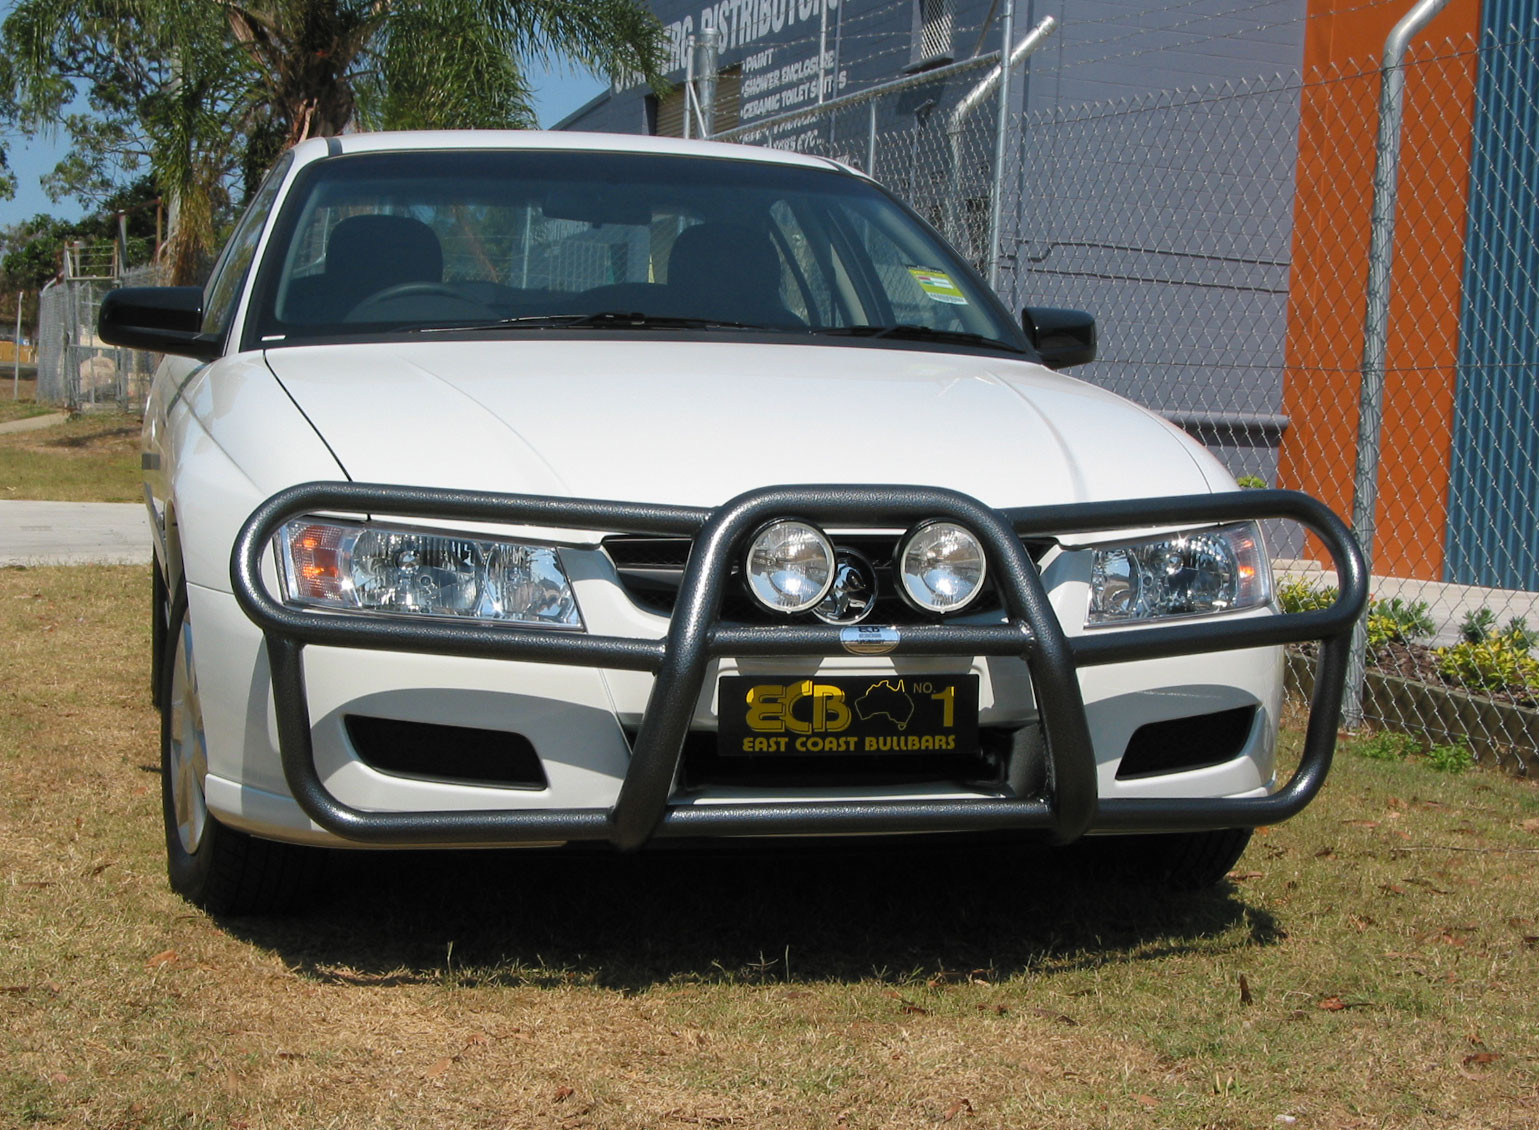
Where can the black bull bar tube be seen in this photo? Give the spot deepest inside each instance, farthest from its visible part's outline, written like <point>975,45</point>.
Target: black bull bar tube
<point>696,635</point>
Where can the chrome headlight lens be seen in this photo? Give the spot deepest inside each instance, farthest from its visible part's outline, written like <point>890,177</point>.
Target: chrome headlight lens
<point>1194,573</point>
<point>790,566</point>
<point>941,567</point>
<point>378,568</point>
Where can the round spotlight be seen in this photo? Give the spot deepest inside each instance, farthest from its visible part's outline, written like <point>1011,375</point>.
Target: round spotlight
<point>790,566</point>
<point>941,567</point>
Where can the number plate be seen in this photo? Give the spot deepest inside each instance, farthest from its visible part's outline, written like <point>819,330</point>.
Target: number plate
<point>844,715</point>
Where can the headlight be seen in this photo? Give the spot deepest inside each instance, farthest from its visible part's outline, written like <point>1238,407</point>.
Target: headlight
<point>941,567</point>
<point>790,566</point>
<point>376,568</point>
<point>1190,574</point>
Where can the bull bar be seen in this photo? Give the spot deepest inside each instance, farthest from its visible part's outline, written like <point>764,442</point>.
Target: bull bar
<point>696,635</point>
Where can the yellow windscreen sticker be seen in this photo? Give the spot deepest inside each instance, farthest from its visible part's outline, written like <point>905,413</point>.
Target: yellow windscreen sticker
<point>938,285</point>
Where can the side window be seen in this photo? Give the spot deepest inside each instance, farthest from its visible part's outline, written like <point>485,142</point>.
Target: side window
<point>224,285</point>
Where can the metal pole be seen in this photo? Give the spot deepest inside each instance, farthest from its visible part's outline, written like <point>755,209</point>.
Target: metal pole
<point>1381,254</point>
<point>969,105</point>
<point>871,145</point>
<point>1006,40</point>
<point>689,82</point>
<point>822,45</point>
<point>16,355</point>
<point>708,43</point>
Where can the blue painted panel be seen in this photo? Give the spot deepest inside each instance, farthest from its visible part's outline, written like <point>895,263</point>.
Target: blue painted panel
<point>1493,520</point>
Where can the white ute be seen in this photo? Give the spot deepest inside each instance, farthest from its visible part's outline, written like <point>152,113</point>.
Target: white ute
<point>523,488</point>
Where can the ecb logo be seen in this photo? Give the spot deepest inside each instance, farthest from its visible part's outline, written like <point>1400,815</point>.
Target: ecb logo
<point>800,708</point>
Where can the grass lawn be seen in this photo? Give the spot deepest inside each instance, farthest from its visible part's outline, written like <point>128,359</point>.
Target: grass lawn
<point>1374,963</point>
<point>91,458</point>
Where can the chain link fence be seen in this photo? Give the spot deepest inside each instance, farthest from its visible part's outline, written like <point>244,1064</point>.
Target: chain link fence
<point>74,368</point>
<point>1221,235</point>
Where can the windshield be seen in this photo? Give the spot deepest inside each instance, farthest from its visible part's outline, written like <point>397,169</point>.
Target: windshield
<point>474,241</point>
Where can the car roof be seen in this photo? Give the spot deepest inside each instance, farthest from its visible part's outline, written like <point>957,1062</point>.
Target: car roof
<point>441,140</point>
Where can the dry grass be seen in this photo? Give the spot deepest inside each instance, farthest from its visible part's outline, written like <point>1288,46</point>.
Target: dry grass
<point>90,458</point>
<point>1387,942</point>
<point>18,399</point>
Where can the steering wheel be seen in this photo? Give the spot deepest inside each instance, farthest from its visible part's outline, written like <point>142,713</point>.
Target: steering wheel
<point>374,307</point>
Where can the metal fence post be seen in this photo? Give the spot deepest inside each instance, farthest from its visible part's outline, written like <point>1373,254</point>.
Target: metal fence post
<point>996,194</point>
<point>871,144</point>
<point>1381,253</point>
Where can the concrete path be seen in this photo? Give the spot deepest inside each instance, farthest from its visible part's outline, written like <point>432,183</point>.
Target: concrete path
<point>74,533</point>
<point>33,423</point>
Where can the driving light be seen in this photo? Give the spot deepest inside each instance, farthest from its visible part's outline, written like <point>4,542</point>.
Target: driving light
<point>1189,574</point>
<point>790,566</point>
<point>376,568</point>
<point>941,566</point>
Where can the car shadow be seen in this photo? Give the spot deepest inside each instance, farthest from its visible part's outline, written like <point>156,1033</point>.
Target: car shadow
<point>830,913</point>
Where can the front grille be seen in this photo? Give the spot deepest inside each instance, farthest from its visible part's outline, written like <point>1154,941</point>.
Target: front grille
<point>651,570</point>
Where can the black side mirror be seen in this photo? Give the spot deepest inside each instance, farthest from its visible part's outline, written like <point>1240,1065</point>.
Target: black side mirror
<point>159,319</point>
<point>1061,337</point>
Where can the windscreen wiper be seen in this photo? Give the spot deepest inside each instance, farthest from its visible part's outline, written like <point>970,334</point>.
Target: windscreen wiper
<point>600,319</point>
<point>911,331</point>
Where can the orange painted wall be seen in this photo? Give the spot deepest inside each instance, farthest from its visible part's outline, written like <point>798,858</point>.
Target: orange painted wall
<point>1338,124</point>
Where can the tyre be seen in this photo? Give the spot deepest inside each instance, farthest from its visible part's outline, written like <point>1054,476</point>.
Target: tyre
<point>1187,861</point>
<point>223,870</point>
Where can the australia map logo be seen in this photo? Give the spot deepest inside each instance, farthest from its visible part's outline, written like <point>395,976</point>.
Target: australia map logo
<point>884,699</point>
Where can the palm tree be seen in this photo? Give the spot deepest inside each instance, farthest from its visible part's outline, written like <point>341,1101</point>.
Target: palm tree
<point>206,88</point>
<point>325,65</point>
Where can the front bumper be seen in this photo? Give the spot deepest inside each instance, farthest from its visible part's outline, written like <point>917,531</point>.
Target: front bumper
<point>1069,806</point>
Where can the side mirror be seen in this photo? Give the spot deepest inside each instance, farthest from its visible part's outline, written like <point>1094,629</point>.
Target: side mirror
<point>159,319</point>
<point>1061,337</point>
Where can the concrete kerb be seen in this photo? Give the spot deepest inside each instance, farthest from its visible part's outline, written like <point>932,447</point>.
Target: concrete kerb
<point>74,533</point>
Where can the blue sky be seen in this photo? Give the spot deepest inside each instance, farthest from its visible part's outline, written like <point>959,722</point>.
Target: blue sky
<point>557,93</point>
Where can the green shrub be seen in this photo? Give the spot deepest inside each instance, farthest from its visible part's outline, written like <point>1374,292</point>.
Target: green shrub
<point>1497,663</point>
<point>1455,758</point>
<point>1476,626</point>
<point>1386,745</point>
<point>1305,596</point>
<point>1397,621</point>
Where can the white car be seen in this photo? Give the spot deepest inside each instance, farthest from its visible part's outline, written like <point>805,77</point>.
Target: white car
<point>526,489</point>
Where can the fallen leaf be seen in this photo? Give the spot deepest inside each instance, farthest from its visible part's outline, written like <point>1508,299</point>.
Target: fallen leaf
<point>1245,997</point>
<point>17,990</point>
<point>1391,889</point>
<point>1055,1017</point>
<point>915,1009</point>
<point>164,957</point>
<point>1362,823</point>
<point>961,1106</point>
<point>562,1094</point>
<point>1327,852</point>
<point>1241,876</point>
<point>1531,825</point>
<point>1147,1100</point>
<point>1332,1004</point>
<point>1481,1059</point>
<point>996,1009</point>
<point>440,1067</point>
<point>1531,939</point>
